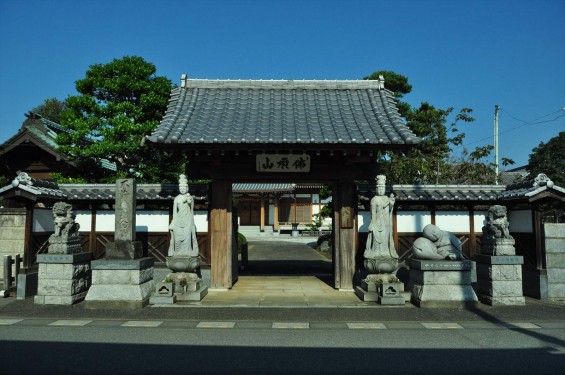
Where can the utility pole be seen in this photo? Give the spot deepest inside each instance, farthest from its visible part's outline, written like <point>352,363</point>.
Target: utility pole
<point>496,108</point>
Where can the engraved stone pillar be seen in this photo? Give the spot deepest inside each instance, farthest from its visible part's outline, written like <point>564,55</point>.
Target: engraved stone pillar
<point>124,245</point>
<point>124,279</point>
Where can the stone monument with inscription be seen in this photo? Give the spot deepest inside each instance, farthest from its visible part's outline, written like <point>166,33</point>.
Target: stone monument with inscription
<point>439,276</point>
<point>64,272</point>
<point>499,269</point>
<point>381,259</point>
<point>124,278</point>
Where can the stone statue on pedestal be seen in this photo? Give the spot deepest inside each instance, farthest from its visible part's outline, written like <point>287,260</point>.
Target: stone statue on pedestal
<point>380,253</point>
<point>66,239</point>
<point>381,259</point>
<point>183,248</point>
<point>496,238</point>
<point>183,257</point>
<point>436,244</point>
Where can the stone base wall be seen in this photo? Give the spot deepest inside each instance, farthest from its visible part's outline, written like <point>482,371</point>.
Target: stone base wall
<point>555,259</point>
<point>63,278</point>
<point>441,283</point>
<point>120,283</point>
<point>12,233</point>
<point>499,280</point>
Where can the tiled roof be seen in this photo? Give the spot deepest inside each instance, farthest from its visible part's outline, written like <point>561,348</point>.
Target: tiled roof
<point>403,193</point>
<point>531,188</point>
<point>44,132</point>
<point>277,112</point>
<point>439,193</point>
<point>38,188</point>
<point>106,192</point>
<point>262,187</point>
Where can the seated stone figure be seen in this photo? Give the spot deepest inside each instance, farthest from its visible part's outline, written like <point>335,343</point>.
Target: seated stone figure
<point>436,244</point>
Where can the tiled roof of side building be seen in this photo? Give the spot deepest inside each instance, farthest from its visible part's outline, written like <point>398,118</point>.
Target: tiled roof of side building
<point>439,193</point>
<point>277,112</point>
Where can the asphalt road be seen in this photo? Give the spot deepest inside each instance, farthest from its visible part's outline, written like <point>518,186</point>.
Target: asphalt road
<point>45,346</point>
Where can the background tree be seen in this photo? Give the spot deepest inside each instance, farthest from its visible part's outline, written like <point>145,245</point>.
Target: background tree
<point>118,104</point>
<point>51,109</point>
<point>431,161</point>
<point>549,158</point>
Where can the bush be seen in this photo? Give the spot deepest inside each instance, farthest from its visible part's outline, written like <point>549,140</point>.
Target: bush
<point>240,241</point>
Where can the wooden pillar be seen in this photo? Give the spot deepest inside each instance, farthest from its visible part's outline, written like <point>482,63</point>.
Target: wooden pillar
<point>262,222</point>
<point>395,229</point>
<point>28,251</point>
<point>276,214</point>
<point>221,234</point>
<point>92,238</point>
<point>538,235</point>
<point>345,220</point>
<point>433,213</point>
<point>472,236</point>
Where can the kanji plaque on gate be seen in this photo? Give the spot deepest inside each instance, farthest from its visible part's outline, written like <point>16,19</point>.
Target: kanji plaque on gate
<point>283,163</point>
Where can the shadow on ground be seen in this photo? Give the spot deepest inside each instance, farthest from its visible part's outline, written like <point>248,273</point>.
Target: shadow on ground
<point>73,358</point>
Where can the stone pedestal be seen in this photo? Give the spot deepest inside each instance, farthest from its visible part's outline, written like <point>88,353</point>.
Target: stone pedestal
<point>63,279</point>
<point>441,283</point>
<point>499,279</point>
<point>64,244</point>
<point>193,291</point>
<point>164,294</point>
<point>124,250</point>
<point>384,293</point>
<point>498,246</point>
<point>555,260</point>
<point>118,283</point>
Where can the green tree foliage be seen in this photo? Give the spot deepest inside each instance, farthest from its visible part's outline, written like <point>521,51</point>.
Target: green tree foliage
<point>549,158</point>
<point>431,161</point>
<point>51,109</point>
<point>118,104</point>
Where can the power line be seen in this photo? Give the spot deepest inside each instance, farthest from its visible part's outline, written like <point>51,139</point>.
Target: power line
<point>525,123</point>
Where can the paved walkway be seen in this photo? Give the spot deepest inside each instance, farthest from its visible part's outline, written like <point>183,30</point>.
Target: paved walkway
<point>283,272</point>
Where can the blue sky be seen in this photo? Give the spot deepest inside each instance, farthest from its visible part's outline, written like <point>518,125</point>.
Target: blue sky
<point>455,53</point>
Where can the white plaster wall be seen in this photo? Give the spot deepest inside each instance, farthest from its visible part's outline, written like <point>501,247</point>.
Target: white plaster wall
<point>315,198</point>
<point>201,221</point>
<point>479,221</point>
<point>520,221</point>
<point>152,221</point>
<point>105,221</point>
<point>453,221</point>
<point>363,220</point>
<point>412,221</point>
<point>84,218</point>
<point>42,220</point>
